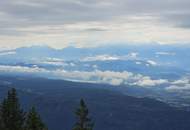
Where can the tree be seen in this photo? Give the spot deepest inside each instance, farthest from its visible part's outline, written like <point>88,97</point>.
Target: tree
<point>12,115</point>
<point>84,122</point>
<point>33,121</point>
<point>1,120</point>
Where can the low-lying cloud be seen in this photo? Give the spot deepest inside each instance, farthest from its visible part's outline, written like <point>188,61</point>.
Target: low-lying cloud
<point>130,56</point>
<point>151,62</point>
<point>7,53</point>
<point>97,76</point>
<point>165,53</point>
<point>180,85</point>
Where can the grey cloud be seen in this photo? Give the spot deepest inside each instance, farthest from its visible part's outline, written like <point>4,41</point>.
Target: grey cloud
<point>95,30</point>
<point>181,19</point>
<point>71,10</point>
<point>25,13</point>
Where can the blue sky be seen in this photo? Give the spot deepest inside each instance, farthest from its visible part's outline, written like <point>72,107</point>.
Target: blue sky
<point>84,23</point>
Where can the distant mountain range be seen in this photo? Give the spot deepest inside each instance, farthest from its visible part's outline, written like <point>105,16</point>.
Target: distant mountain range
<point>162,70</point>
<point>161,52</point>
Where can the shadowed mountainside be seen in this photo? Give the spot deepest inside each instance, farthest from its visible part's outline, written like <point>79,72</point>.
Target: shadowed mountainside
<point>56,101</point>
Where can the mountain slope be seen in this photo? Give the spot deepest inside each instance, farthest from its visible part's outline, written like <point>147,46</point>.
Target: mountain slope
<point>57,100</point>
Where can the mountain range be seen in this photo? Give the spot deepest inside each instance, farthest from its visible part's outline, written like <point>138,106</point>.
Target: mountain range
<point>150,70</point>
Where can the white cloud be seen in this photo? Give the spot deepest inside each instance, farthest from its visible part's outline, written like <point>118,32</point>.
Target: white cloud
<point>179,85</point>
<point>21,69</point>
<point>116,81</point>
<point>95,66</point>
<point>72,64</point>
<point>108,77</point>
<point>166,53</point>
<point>7,53</point>
<point>53,61</point>
<point>130,56</point>
<point>97,76</point>
<point>112,77</point>
<point>138,63</point>
<point>100,58</point>
<point>184,80</point>
<point>147,81</point>
<point>178,88</point>
<point>151,62</point>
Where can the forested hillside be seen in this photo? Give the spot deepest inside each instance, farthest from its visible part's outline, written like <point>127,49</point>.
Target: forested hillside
<point>56,101</point>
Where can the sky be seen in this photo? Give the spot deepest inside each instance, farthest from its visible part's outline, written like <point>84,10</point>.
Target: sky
<point>88,23</point>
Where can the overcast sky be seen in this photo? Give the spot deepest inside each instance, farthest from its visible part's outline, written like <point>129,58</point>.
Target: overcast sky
<point>84,23</point>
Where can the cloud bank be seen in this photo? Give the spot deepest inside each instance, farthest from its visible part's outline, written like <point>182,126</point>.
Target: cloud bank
<point>60,23</point>
<point>97,76</point>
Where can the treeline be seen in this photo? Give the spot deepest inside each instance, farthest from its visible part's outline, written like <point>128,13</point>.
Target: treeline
<point>13,117</point>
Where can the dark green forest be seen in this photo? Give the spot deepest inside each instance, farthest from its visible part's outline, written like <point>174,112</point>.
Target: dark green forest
<point>13,116</point>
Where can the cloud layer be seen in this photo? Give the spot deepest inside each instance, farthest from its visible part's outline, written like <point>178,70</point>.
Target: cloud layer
<point>97,76</point>
<point>92,22</point>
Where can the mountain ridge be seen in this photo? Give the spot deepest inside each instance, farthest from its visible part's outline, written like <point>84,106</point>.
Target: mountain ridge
<point>56,101</point>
